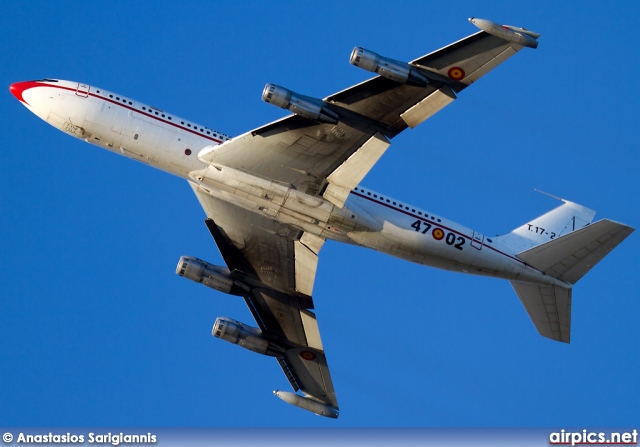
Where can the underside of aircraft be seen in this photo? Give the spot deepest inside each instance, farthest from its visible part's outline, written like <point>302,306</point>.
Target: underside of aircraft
<point>274,195</point>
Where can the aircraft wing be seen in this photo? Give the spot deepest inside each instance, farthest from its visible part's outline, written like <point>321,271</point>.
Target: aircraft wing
<point>281,264</point>
<point>327,157</point>
<point>304,153</point>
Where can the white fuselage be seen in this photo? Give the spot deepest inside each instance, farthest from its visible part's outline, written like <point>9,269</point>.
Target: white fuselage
<point>171,143</point>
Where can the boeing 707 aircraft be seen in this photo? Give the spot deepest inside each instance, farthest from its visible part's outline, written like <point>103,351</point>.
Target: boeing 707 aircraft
<point>275,194</point>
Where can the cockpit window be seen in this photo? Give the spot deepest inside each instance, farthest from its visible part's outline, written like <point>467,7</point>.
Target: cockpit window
<point>46,80</point>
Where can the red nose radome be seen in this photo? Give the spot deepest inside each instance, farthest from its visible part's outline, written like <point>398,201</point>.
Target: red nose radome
<point>19,87</point>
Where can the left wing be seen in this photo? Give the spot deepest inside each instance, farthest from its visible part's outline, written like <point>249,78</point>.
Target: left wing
<point>304,152</point>
<point>279,264</point>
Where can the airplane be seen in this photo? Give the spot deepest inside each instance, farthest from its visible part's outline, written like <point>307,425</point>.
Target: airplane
<point>274,195</point>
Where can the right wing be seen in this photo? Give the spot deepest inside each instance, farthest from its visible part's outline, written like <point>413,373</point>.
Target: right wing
<point>279,264</point>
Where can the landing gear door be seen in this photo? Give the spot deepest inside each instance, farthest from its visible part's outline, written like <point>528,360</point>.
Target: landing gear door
<point>82,90</point>
<point>477,240</point>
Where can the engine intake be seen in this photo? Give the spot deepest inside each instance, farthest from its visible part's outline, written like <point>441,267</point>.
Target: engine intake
<point>212,276</point>
<point>248,337</point>
<point>306,106</point>
<point>389,68</point>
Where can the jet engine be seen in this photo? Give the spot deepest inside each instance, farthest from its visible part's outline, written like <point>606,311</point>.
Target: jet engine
<point>389,68</point>
<point>210,275</point>
<point>306,106</point>
<point>248,337</point>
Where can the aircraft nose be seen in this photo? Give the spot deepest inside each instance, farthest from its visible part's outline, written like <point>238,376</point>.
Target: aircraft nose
<point>19,87</point>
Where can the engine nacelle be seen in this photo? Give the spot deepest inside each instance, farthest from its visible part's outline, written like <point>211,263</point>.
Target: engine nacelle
<point>389,68</point>
<point>248,337</point>
<point>306,106</point>
<point>210,275</point>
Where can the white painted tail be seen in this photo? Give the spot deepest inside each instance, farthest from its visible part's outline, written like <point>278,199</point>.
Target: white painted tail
<point>565,245</point>
<point>568,259</point>
<point>558,222</point>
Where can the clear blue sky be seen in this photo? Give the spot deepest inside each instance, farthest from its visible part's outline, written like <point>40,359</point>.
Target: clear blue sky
<point>96,328</point>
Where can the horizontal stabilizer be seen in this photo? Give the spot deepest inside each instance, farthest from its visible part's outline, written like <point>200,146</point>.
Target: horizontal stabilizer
<point>549,308</point>
<point>570,257</point>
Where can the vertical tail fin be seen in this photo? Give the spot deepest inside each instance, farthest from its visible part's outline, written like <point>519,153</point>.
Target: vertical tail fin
<point>558,222</point>
<point>565,245</point>
<point>567,258</point>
